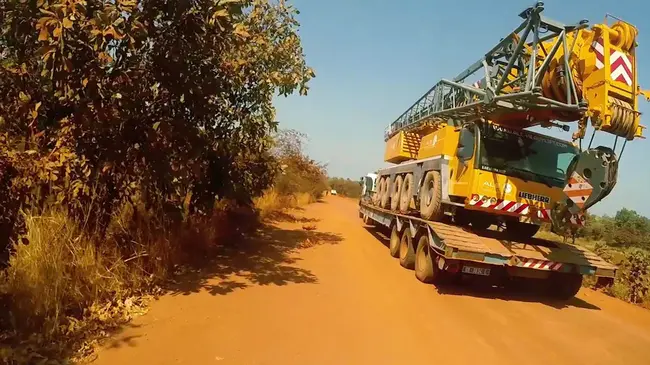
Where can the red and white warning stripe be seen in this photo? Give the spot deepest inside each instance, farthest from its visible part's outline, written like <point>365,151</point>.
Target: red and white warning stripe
<point>620,63</point>
<point>540,264</point>
<point>508,206</point>
<point>578,189</point>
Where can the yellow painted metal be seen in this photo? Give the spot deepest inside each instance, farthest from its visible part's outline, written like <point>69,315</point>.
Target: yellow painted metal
<point>442,141</point>
<point>612,104</point>
<point>498,186</point>
<point>402,147</point>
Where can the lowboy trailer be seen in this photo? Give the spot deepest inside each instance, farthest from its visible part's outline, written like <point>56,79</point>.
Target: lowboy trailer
<point>436,250</point>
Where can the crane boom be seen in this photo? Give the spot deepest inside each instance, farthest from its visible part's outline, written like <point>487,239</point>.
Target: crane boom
<point>543,71</point>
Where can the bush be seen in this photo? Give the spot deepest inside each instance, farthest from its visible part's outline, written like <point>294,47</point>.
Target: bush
<point>345,187</point>
<point>132,136</point>
<point>298,173</point>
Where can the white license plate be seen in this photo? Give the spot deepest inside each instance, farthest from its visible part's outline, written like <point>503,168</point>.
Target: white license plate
<point>476,270</point>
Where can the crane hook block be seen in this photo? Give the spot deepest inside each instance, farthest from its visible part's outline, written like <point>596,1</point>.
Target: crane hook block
<point>591,176</point>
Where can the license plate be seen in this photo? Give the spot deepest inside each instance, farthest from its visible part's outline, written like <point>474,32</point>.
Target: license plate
<point>476,270</point>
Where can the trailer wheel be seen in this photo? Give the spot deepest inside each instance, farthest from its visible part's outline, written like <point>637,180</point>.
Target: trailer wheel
<point>396,193</point>
<point>407,193</point>
<point>394,244</point>
<point>431,197</point>
<point>385,194</point>
<point>425,269</point>
<point>406,250</point>
<point>564,286</point>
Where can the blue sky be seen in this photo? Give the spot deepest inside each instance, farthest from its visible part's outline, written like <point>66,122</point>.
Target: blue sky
<point>373,59</point>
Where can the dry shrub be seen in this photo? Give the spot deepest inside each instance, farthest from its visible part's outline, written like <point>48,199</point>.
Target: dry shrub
<point>63,270</point>
<point>272,201</point>
<point>68,286</point>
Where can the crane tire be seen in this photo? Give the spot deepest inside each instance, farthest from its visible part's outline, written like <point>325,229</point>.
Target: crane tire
<point>431,197</point>
<point>396,193</point>
<point>407,193</point>
<point>385,194</point>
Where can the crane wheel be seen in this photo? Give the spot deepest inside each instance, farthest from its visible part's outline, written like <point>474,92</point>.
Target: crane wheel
<point>396,193</point>
<point>385,194</point>
<point>431,197</point>
<point>406,250</point>
<point>425,268</point>
<point>407,193</point>
<point>393,246</point>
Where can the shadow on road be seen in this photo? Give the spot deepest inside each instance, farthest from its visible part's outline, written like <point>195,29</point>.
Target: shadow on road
<point>266,258</point>
<point>480,289</point>
<point>510,293</point>
<point>277,217</point>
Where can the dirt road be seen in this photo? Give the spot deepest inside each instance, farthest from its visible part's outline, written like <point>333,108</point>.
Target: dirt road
<point>334,296</point>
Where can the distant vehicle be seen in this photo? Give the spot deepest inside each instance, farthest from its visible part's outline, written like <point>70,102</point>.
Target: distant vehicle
<point>333,192</point>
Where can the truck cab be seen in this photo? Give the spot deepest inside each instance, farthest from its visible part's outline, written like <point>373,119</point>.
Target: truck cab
<point>512,174</point>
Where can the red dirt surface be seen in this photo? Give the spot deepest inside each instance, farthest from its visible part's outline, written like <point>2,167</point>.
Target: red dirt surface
<point>333,295</point>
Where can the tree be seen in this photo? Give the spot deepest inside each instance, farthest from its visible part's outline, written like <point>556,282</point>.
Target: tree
<point>106,101</point>
<point>299,173</point>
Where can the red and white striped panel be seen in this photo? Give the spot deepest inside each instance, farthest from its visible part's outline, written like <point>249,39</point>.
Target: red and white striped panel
<point>540,264</point>
<point>509,206</point>
<point>578,189</point>
<point>619,62</point>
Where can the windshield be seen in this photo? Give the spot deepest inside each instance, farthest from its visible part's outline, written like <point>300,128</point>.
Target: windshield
<point>525,155</point>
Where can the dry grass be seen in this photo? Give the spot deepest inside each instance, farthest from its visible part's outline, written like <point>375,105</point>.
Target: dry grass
<point>66,287</point>
<point>271,201</point>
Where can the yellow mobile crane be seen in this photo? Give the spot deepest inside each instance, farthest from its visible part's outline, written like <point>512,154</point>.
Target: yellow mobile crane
<point>465,147</point>
<point>466,150</point>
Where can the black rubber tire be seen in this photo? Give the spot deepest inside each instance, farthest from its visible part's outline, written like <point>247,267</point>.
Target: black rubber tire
<point>521,230</point>
<point>385,194</point>
<point>407,193</point>
<point>431,197</point>
<point>564,286</point>
<point>396,193</point>
<point>393,245</point>
<point>425,268</point>
<point>406,250</point>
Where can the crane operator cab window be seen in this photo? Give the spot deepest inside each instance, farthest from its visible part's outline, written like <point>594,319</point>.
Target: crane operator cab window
<point>466,143</point>
<point>525,155</point>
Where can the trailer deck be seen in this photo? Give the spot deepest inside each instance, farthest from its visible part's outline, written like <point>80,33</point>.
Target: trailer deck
<point>495,248</point>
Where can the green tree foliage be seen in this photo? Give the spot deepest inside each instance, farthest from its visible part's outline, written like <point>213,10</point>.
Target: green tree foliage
<point>626,229</point>
<point>102,101</point>
<point>298,173</point>
<point>345,187</point>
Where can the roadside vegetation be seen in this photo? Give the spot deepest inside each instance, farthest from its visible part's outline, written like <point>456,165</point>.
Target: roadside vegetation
<point>623,240</point>
<point>134,137</point>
